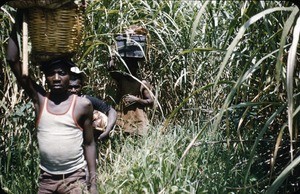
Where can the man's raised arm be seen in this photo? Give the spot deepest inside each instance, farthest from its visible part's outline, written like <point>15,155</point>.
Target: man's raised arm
<point>13,59</point>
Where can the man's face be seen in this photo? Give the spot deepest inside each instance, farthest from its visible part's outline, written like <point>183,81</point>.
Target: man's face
<point>58,78</point>
<point>75,86</point>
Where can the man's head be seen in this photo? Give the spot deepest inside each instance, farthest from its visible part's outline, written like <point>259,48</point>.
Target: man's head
<point>76,81</point>
<point>48,65</point>
<point>57,74</point>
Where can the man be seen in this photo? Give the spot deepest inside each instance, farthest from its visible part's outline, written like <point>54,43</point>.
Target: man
<point>133,95</point>
<point>133,98</point>
<point>105,116</point>
<point>63,123</point>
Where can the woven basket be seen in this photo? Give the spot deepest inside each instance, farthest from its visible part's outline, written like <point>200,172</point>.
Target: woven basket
<point>50,4</point>
<point>55,32</point>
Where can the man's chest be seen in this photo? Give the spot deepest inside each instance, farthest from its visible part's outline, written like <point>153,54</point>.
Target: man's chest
<point>130,87</point>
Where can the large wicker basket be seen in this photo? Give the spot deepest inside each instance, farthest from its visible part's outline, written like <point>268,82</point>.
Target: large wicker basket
<point>55,32</point>
<point>49,4</point>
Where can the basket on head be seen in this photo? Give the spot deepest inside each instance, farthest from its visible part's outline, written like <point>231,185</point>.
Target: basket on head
<point>55,33</point>
<point>50,4</point>
<point>133,42</point>
<point>132,46</point>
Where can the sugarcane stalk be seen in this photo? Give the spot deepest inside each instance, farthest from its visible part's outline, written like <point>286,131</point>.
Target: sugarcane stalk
<point>25,45</point>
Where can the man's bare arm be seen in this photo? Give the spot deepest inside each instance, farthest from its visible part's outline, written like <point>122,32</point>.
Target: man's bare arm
<point>30,87</point>
<point>111,121</point>
<point>89,144</point>
<point>146,94</point>
<point>146,98</point>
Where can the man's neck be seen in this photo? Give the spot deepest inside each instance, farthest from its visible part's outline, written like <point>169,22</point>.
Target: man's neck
<point>57,98</point>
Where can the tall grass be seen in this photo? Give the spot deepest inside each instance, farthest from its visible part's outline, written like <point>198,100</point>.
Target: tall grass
<point>226,76</point>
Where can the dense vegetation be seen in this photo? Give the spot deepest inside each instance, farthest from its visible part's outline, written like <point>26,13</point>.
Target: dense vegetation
<point>226,79</point>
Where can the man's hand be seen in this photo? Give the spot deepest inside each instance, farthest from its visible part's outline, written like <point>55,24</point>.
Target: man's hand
<point>104,136</point>
<point>93,189</point>
<point>92,177</point>
<point>129,99</point>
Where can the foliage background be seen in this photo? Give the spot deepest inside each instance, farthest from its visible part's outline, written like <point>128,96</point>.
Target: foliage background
<point>224,89</point>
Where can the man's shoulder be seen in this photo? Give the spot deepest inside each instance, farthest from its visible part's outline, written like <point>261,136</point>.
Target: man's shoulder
<point>83,102</point>
<point>89,97</point>
<point>83,106</point>
<point>145,84</point>
<point>94,99</point>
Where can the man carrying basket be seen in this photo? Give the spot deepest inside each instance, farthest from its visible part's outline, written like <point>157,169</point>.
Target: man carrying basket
<point>134,96</point>
<point>63,124</point>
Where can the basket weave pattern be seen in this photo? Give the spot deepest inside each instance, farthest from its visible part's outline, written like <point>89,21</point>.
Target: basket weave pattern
<point>55,33</point>
<point>37,3</point>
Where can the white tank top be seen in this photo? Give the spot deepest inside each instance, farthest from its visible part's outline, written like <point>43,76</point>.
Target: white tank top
<point>60,141</point>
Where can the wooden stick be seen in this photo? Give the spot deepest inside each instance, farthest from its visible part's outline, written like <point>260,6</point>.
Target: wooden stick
<point>25,46</point>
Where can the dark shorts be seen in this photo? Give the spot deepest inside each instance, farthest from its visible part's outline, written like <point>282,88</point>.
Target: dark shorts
<point>72,183</point>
